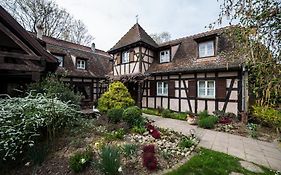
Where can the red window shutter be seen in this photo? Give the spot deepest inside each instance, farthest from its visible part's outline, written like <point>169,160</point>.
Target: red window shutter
<point>152,88</point>
<point>191,88</point>
<point>171,88</point>
<point>131,55</point>
<point>221,88</point>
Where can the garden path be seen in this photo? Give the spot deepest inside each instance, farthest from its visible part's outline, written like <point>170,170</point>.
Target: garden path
<point>259,152</point>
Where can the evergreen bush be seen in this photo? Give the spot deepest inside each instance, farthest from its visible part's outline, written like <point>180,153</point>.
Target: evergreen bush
<point>133,116</point>
<point>115,115</point>
<point>117,96</point>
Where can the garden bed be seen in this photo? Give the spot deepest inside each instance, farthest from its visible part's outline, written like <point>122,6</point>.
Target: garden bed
<point>170,149</point>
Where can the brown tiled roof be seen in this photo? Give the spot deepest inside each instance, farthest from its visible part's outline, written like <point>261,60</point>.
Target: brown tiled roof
<point>134,35</point>
<point>98,64</point>
<point>186,59</point>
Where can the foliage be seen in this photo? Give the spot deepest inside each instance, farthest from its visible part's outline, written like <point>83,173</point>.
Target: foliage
<point>179,116</point>
<point>139,129</point>
<point>257,40</point>
<point>119,134</point>
<point>203,114</point>
<point>186,142</point>
<point>80,160</point>
<point>161,37</point>
<point>133,116</point>
<point>129,150</point>
<point>115,115</point>
<point>56,22</point>
<point>53,87</point>
<point>166,113</point>
<point>23,120</point>
<point>148,157</point>
<point>117,96</point>
<point>208,122</point>
<point>268,115</point>
<point>150,111</point>
<point>109,160</point>
<point>215,163</point>
<point>37,153</point>
<point>253,129</point>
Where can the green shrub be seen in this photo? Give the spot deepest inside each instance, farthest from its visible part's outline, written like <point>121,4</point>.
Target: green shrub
<point>208,122</point>
<point>253,130</point>
<point>268,115</point>
<point>24,119</point>
<point>150,111</point>
<point>179,116</point>
<point>166,113</point>
<point>133,116</point>
<point>139,129</point>
<point>114,135</point>
<point>185,142</point>
<point>117,96</point>
<point>37,153</point>
<point>80,160</point>
<point>53,87</point>
<point>115,115</point>
<point>203,114</point>
<point>129,150</point>
<point>109,160</point>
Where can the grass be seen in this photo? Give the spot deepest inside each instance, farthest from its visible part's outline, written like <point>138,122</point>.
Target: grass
<point>151,111</point>
<point>173,115</point>
<point>215,163</point>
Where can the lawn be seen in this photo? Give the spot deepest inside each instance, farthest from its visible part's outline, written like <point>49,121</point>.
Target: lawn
<point>215,163</point>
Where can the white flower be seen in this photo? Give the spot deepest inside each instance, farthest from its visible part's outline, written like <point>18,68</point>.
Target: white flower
<point>83,160</point>
<point>120,169</point>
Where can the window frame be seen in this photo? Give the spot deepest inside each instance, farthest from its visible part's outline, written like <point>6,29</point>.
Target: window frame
<point>206,89</point>
<point>59,56</point>
<point>162,88</point>
<point>206,49</point>
<point>127,53</point>
<point>79,67</point>
<point>168,57</point>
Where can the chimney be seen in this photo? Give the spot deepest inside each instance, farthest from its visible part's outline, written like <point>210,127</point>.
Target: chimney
<point>93,47</point>
<point>39,31</point>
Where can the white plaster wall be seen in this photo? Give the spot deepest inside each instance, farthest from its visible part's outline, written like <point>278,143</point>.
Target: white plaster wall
<point>211,107</point>
<point>165,103</point>
<point>211,74</point>
<point>158,102</point>
<point>232,107</point>
<point>176,93</point>
<point>137,69</point>
<point>200,75</point>
<point>235,84</point>
<point>184,106</point>
<point>174,50</point>
<point>176,83</point>
<point>143,101</point>
<point>150,102</point>
<point>233,95</point>
<point>200,105</point>
<point>187,76</point>
<point>220,105</point>
<point>174,104</point>
<point>122,69</point>
<point>183,94</point>
<point>174,76</point>
<point>192,103</point>
<point>227,74</point>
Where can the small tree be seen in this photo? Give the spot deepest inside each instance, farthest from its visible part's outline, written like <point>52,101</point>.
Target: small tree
<point>117,96</point>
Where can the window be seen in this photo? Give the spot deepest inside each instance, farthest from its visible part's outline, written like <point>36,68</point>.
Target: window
<point>206,89</point>
<point>60,59</point>
<point>165,56</point>
<point>125,57</point>
<point>206,49</point>
<point>162,88</point>
<point>81,64</point>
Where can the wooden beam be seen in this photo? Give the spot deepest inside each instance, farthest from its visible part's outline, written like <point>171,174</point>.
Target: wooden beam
<point>5,30</point>
<point>19,55</point>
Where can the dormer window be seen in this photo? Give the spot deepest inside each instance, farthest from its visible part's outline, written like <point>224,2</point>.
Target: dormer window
<point>206,49</point>
<point>164,56</point>
<point>81,64</point>
<point>125,57</point>
<point>60,59</point>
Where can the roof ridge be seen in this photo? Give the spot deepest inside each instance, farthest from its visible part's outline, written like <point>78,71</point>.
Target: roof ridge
<point>195,35</point>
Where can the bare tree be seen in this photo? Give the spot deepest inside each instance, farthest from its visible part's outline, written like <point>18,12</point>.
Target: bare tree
<point>56,22</point>
<point>161,37</point>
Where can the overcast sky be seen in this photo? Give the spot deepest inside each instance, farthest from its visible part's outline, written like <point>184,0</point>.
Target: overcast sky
<point>109,20</point>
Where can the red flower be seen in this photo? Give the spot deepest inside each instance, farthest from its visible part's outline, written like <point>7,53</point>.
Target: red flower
<point>149,159</point>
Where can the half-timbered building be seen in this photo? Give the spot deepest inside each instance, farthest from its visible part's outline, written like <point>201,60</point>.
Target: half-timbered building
<point>22,59</point>
<point>186,74</point>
